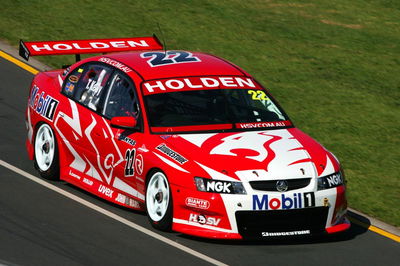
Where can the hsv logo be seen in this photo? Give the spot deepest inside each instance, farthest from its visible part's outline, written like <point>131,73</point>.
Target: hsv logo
<point>197,203</point>
<point>45,105</point>
<point>284,202</point>
<point>201,219</point>
<point>168,85</point>
<point>106,191</point>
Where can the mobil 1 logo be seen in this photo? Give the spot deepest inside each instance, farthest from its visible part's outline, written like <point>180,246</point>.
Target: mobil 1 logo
<point>283,201</point>
<point>45,105</point>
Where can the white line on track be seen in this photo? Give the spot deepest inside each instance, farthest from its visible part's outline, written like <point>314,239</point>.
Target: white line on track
<point>110,214</point>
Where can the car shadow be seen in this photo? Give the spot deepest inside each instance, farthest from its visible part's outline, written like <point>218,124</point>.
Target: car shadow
<point>359,226</point>
<point>106,202</point>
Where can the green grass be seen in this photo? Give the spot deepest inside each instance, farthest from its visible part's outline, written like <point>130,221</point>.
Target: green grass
<point>334,65</point>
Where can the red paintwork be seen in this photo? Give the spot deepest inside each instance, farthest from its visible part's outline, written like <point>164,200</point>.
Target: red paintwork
<point>93,154</point>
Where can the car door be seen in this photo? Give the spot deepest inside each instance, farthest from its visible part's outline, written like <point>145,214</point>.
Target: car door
<point>84,87</point>
<point>119,147</point>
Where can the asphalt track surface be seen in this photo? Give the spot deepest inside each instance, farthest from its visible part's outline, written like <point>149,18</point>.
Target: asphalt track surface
<point>39,226</point>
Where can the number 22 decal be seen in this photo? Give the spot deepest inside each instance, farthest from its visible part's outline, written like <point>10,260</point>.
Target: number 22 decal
<point>258,95</point>
<point>169,57</point>
<point>129,158</point>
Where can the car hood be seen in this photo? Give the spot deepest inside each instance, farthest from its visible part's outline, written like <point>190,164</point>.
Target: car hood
<point>253,155</point>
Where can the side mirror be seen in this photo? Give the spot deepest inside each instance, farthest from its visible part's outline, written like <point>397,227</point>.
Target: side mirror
<point>124,122</point>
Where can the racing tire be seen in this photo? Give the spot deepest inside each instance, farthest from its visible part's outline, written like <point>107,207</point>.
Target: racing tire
<point>46,159</point>
<point>159,201</point>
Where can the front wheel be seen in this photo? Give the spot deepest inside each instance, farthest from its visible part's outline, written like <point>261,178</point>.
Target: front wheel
<point>159,202</point>
<point>46,153</point>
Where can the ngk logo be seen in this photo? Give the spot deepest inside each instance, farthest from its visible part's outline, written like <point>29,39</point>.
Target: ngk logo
<point>218,186</point>
<point>334,180</point>
<point>201,219</point>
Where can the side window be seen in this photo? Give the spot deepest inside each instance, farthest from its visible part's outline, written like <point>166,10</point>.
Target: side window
<point>121,99</point>
<point>87,83</point>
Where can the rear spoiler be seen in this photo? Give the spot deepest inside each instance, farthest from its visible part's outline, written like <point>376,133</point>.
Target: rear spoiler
<point>91,46</point>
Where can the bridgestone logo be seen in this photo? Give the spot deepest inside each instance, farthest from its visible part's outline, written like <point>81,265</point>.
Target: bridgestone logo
<point>292,233</point>
<point>173,154</point>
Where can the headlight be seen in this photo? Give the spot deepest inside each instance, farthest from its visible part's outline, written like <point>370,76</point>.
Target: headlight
<point>330,181</point>
<point>219,186</point>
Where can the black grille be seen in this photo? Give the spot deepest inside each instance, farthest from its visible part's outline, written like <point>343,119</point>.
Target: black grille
<point>270,185</point>
<point>251,224</point>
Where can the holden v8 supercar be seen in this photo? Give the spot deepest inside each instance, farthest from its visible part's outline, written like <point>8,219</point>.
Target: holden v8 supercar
<point>188,137</point>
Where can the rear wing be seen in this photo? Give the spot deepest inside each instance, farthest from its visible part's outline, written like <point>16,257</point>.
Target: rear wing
<point>90,46</point>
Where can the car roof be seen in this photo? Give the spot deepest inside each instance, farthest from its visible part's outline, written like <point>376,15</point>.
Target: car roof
<point>209,65</point>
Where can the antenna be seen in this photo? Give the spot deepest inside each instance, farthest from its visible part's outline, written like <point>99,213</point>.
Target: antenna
<point>162,36</point>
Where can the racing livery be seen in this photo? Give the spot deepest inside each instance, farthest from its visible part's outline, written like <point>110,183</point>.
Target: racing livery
<point>188,137</point>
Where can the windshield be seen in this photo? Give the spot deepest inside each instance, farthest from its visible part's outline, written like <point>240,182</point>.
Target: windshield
<point>213,109</point>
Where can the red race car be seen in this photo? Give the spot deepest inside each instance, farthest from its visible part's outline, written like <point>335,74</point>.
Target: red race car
<point>188,137</point>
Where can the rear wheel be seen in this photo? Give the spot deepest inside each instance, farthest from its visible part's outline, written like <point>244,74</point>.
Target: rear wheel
<point>46,153</point>
<point>159,201</point>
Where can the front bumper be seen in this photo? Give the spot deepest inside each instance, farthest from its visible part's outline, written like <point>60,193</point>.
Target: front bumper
<point>227,216</point>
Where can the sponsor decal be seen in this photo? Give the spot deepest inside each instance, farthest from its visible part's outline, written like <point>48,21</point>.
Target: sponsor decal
<point>74,175</point>
<point>80,70</point>
<point>69,87</point>
<point>88,182</point>
<point>334,180</point>
<point>116,64</point>
<point>101,44</point>
<point>66,71</point>
<point>264,124</point>
<point>202,219</point>
<point>43,104</point>
<point>284,201</point>
<point>168,85</point>
<point>218,186</point>
<point>330,181</point>
<point>133,203</point>
<point>73,78</point>
<point>291,233</point>
<point>171,153</point>
<point>139,164</point>
<point>197,203</point>
<point>126,139</point>
<point>121,198</point>
<point>106,191</point>
<point>127,201</point>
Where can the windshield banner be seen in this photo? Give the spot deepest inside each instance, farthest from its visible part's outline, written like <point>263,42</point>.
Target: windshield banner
<point>197,83</point>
